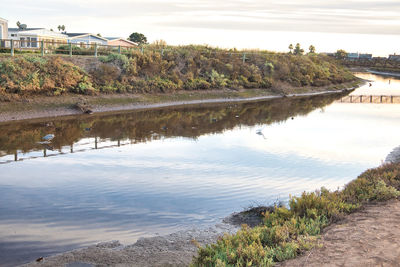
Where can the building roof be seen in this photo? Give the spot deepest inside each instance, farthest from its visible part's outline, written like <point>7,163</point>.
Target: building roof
<point>38,32</point>
<point>77,35</point>
<point>27,29</point>
<point>120,38</point>
<point>112,38</point>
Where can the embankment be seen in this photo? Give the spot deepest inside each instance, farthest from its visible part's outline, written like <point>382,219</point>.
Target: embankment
<point>54,84</point>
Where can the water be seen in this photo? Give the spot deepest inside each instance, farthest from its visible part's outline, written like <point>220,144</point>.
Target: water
<point>146,173</point>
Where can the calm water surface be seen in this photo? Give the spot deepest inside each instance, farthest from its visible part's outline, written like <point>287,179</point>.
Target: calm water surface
<point>144,173</point>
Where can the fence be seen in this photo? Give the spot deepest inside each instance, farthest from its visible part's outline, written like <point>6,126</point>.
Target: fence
<point>48,151</point>
<point>14,47</point>
<point>380,99</point>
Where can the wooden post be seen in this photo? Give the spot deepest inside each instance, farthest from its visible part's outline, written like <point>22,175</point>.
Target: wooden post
<point>44,152</point>
<point>142,50</point>
<point>95,49</point>
<point>381,98</point>
<point>72,148</point>
<point>119,49</point>
<point>360,98</point>
<point>370,99</point>
<point>119,142</point>
<point>95,142</point>
<point>391,99</point>
<point>244,58</point>
<point>16,156</point>
<point>42,47</point>
<point>70,49</point>
<point>12,47</point>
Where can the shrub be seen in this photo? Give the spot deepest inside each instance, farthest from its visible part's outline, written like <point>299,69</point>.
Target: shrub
<point>29,74</point>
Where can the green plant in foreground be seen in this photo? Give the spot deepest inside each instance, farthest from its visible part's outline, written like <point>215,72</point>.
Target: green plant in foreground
<point>286,232</point>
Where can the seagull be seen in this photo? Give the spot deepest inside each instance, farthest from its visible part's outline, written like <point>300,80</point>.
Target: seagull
<point>259,132</point>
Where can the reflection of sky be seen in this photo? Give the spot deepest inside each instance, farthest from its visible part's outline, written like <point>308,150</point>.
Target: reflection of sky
<point>52,204</point>
<point>380,85</point>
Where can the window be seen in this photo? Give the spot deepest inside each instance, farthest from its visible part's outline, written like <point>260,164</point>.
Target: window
<point>34,42</point>
<point>22,41</point>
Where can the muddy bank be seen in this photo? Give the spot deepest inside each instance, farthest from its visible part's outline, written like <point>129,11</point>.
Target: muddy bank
<point>66,109</point>
<point>176,249</point>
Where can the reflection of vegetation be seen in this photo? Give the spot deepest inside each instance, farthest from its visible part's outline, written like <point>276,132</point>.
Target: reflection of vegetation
<point>169,70</point>
<point>140,126</point>
<point>286,232</point>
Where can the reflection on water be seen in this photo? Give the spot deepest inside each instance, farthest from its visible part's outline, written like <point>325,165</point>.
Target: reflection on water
<point>378,85</point>
<point>155,172</point>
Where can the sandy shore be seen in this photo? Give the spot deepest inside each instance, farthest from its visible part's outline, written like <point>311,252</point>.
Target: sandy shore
<point>176,249</point>
<point>52,112</point>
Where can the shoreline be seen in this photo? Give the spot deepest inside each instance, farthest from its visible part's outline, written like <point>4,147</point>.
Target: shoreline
<point>70,110</point>
<point>178,248</point>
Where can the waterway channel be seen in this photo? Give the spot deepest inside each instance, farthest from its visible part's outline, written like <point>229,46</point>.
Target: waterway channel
<point>152,172</point>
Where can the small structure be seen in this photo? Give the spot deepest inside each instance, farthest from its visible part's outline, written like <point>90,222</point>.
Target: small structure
<point>352,56</point>
<point>31,37</point>
<point>119,41</point>
<point>365,56</point>
<point>394,57</point>
<point>86,39</point>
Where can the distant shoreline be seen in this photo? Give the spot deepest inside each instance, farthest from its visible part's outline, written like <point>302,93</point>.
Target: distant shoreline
<point>110,104</point>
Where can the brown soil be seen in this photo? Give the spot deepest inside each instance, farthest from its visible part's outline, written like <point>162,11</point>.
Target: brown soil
<point>370,237</point>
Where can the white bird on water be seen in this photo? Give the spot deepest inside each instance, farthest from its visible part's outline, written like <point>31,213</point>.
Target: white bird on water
<point>260,132</point>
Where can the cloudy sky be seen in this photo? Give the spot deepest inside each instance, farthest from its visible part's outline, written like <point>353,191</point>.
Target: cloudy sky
<point>355,25</point>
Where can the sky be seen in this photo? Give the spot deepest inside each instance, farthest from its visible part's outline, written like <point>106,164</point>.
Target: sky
<point>354,25</point>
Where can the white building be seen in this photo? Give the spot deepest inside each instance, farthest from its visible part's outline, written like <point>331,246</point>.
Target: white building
<point>3,30</point>
<point>31,37</point>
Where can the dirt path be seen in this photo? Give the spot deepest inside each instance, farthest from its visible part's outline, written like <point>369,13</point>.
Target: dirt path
<point>370,237</point>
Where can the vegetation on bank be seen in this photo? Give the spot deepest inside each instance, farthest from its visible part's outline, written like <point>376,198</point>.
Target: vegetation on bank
<point>177,68</point>
<point>288,231</point>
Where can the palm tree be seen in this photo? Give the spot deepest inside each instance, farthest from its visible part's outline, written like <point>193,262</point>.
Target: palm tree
<point>291,48</point>
<point>312,49</point>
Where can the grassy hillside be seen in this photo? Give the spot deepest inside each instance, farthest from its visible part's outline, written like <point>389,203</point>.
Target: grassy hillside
<point>177,68</point>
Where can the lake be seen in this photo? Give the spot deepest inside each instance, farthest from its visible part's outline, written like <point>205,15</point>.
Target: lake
<point>153,172</point>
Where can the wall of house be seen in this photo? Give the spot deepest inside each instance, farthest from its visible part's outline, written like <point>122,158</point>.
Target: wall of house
<point>120,42</point>
<point>3,29</point>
